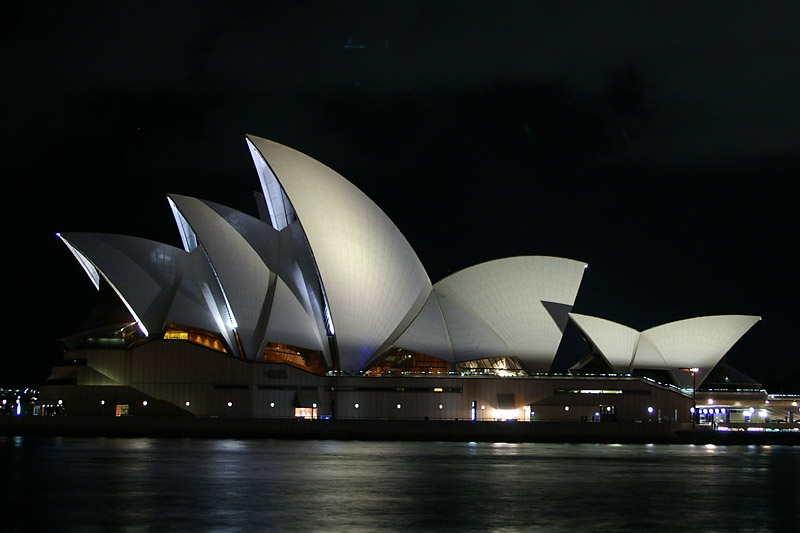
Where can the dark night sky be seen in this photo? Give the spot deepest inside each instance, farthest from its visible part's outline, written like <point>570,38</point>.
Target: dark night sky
<point>659,142</point>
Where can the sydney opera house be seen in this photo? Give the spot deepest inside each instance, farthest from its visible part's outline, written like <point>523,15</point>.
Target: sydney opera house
<point>320,308</point>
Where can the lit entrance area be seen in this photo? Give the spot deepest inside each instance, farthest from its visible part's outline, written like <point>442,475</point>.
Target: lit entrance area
<point>306,405</point>
<point>506,408</point>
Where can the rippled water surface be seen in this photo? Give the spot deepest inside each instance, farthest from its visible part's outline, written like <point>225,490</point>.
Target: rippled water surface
<point>258,485</point>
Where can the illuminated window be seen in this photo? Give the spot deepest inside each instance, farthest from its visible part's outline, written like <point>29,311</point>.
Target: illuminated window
<point>308,413</point>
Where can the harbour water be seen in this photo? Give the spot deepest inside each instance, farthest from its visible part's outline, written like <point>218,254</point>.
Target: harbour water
<point>149,484</point>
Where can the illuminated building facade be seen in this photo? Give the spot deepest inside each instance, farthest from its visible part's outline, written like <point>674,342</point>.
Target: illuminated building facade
<point>320,307</point>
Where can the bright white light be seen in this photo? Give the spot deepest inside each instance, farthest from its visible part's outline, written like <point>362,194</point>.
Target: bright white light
<point>102,402</point>
<point>710,401</point>
<point>272,404</point>
<point>313,406</point>
<point>230,404</point>
<point>60,402</point>
<point>356,406</point>
<point>144,403</point>
<point>752,410</point>
<point>188,404</point>
<point>398,406</point>
<point>440,406</point>
<point>566,407</point>
<point>505,414</point>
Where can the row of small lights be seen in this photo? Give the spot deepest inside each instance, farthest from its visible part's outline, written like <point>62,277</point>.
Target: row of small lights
<point>272,404</point>
<point>722,410</point>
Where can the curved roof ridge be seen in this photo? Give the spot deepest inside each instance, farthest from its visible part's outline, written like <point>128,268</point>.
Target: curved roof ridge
<point>586,265</point>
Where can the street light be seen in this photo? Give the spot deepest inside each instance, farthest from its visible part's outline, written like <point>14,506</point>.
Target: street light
<point>695,414</point>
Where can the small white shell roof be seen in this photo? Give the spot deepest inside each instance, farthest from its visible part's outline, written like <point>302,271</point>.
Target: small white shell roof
<point>696,342</point>
<point>374,282</point>
<point>692,343</point>
<point>498,308</point>
<point>617,343</point>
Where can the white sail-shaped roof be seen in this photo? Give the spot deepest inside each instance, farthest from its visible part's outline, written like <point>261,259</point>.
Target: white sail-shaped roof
<point>244,278</point>
<point>697,342</point>
<point>500,308</point>
<point>262,307</point>
<point>279,250</point>
<point>692,343</point>
<point>615,342</point>
<point>372,279</point>
<point>153,280</point>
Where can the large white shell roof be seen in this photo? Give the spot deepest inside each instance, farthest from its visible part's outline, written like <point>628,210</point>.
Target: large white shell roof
<point>506,307</point>
<point>374,282</point>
